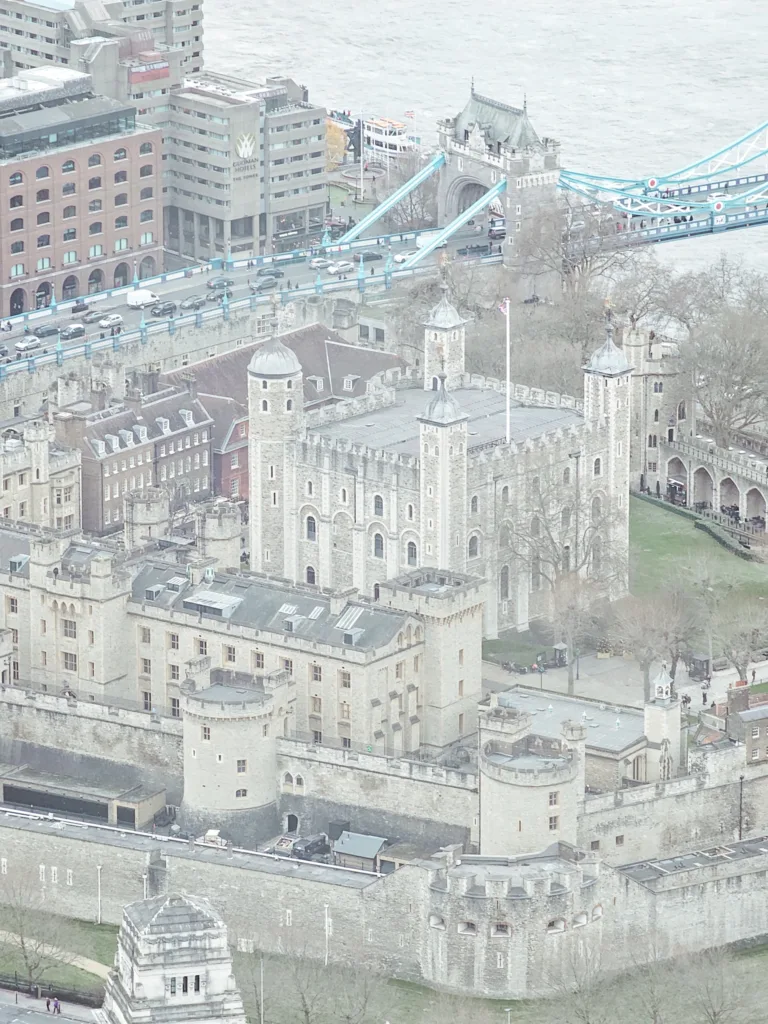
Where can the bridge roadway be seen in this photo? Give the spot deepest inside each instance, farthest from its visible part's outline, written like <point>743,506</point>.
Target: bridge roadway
<point>177,286</point>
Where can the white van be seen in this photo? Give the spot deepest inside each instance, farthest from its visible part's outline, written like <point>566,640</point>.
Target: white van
<point>141,298</point>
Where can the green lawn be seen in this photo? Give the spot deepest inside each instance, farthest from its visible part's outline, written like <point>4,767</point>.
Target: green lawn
<point>662,543</point>
<point>55,975</point>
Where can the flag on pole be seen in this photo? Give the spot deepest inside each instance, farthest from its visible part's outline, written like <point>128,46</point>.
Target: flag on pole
<point>504,307</point>
<point>409,113</point>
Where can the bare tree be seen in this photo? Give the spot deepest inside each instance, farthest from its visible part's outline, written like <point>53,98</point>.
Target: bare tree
<point>416,210</point>
<point>585,996</point>
<point>713,990</point>
<point>740,630</point>
<point>638,626</point>
<point>29,932</point>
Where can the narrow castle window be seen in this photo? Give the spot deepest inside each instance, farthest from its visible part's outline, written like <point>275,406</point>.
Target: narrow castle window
<point>378,546</point>
<point>473,505</point>
<point>311,528</point>
<point>265,406</point>
<point>436,921</point>
<point>311,578</point>
<point>378,505</point>
<point>473,546</point>
<point>411,553</point>
<point>567,475</point>
<point>289,405</point>
<point>597,468</point>
<point>467,928</point>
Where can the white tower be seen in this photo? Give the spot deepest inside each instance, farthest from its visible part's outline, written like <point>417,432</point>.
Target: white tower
<point>443,477</point>
<point>276,411</point>
<point>444,343</point>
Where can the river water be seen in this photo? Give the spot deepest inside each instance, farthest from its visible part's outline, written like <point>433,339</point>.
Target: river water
<point>630,87</point>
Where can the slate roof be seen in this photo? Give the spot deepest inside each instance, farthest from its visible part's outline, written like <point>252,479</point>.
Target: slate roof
<point>322,353</point>
<point>274,359</point>
<point>444,316</point>
<point>172,915</point>
<point>608,359</point>
<point>224,412</point>
<point>498,122</point>
<point>754,714</point>
<point>355,844</point>
<point>443,407</point>
<point>165,404</point>
<point>267,605</point>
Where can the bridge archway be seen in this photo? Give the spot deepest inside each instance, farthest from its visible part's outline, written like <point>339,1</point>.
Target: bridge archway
<point>755,503</point>
<point>676,471</point>
<point>462,193</point>
<point>729,493</point>
<point>703,486</point>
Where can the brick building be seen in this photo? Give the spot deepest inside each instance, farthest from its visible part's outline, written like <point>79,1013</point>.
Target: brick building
<point>164,438</point>
<point>79,190</point>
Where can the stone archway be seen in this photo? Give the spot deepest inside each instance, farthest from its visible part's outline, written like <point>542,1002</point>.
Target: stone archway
<point>147,268</point>
<point>43,295</point>
<point>460,195</point>
<point>70,288</point>
<point>122,275</point>
<point>18,301</point>
<point>95,281</point>
<point>703,486</point>
<point>730,495</point>
<point>676,470</point>
<point>755,504</point>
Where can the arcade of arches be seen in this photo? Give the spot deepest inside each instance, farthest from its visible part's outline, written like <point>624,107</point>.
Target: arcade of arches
<point>719,493</point>
<point>41,294</point>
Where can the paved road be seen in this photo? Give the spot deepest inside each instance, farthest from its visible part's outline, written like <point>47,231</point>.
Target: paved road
<point>177,290</point>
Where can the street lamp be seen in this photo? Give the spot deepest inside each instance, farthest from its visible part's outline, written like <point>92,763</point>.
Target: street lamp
<point>576,654</point>
<point>507,1010</point>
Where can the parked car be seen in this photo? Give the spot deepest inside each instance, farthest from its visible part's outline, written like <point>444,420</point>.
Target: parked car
<point>163,309</point>
<point>72,331</point>
<point>220,282</point>
<point>47,330</point>
<point>368,255</point>
<point>27,344</point>
<point>270,271</point>
<point>319,263</point>
<point>111,320</point>
<point>264,284</point>
<point>401,257</point>
<point>193,302</point>
<point>342,267</point>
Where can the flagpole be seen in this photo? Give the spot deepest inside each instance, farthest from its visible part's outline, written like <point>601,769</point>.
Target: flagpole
<point>509,379</point>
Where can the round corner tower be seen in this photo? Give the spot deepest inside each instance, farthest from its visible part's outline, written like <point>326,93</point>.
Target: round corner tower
<point>218,533</point>
<point>230,735</point>
<point>531,786</point>
<point>276,421</point>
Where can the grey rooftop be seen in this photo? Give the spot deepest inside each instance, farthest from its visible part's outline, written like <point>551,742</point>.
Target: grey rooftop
<point>754,714</point>
<point>651,871</point>
<point>357,844</point>
<point>609,727</point>
<point>396,428</point>
<point>173,915</point>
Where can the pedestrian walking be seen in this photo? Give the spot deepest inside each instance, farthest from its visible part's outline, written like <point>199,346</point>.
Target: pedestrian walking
<point>704,697</point>
<point>48,1004</point>
<point>754,674</point>
<point>56,1005</point>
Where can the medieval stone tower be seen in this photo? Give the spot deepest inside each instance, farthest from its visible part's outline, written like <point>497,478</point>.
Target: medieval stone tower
<point>276,409</point>
<point>444,344</point>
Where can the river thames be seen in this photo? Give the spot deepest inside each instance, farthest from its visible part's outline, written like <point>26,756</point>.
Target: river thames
<point>629,88</point>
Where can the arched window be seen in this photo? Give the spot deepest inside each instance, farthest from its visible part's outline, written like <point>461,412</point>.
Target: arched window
<point>411,553</point>
<point>473,504</point>
<point>288,782</point>
<point>147,215</point>
<point>473,548</point>
<point>597,508</point>
<point>436,450</point>
<point>344,495</point>
<point>94,160</point>
<point>681,411</point>
<point>69,211</point>
<point>17,247</point>
<point>95,228</point>
<point>95,206</point>
<point>146,193</point>
<point>17,224</point>
<point>597,468</point>
<point>376,592</point>
<point>265,406</point>
<point>409,513</point>
<point>565,518</point>
<point>68,188</point>
<point>652,440</point>
<point>435,383</point>
<point>44,218</point>
<point>94,183</point>
<point>655,415</point>
<point>535,526</point>
<point>378,505</point>
<point>43,196</point>
<point>119,154</point>
<point>264,385</point>
<point>16,201</point>
<point>505,494</point>
<point>120,222</point>
<point>310,488</point>
<point>567,475</point>
<point>68,167</point>
<point>504,583</point>
<point>299,783</point>
<point>378,545</point>
<point>241,792</point>
<point>311,578</point>
<point>289,405</point>
<point>146,171</point>
<point>16,178</point>
<point>43,241</point>
<point>311,528</point>
<point>42,172</point>
<point>121,199</point>
<point>144,148</point>
<point>120,177</point>
<point>535,573</point>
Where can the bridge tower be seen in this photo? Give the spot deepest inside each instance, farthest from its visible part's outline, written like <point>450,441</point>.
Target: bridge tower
<point>489,141</point>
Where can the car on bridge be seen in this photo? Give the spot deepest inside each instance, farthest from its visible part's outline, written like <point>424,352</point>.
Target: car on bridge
<point>269,271</point>
<point>93,316</point>
<point>220,282</point>
<point>368,255</point>
<point>476,249</point>
<point>111,320</point>
<point>319,263</point>
<point>342,267</point>
<point>401,257</point>
<point>47,330</point>
<point>27,344</point>
<point>194,302</point>
<point>264,284</point>
<point>72,331</point>
<point>163,309</point>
